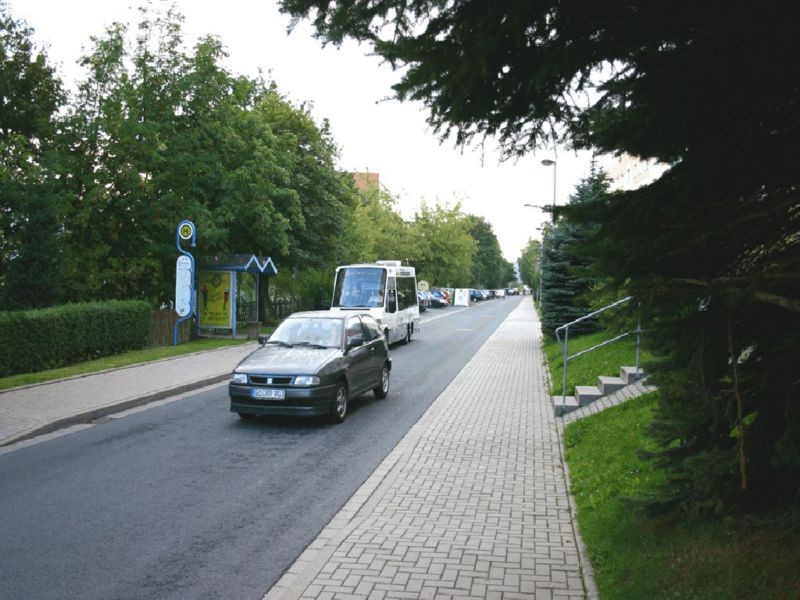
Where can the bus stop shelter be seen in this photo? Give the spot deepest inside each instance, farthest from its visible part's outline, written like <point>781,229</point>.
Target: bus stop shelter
<point>228,292</point>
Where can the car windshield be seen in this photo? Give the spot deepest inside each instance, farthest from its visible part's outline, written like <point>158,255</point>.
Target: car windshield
<point>309,331</point>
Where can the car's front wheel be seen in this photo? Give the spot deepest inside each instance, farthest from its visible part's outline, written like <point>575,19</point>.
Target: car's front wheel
<point>339,403</point>
<point>382,389</point>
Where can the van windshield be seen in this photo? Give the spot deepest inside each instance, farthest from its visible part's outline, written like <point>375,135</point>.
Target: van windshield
<point>359,287</point>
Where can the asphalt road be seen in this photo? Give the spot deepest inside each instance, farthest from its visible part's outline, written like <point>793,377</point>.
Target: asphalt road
<point>185,500</point>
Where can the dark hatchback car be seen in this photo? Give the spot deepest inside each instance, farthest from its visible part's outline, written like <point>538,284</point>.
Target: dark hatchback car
<point>438,299</point>
<point>312,364</point>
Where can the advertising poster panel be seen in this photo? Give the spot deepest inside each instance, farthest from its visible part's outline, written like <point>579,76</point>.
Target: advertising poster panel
<point>214,294</point>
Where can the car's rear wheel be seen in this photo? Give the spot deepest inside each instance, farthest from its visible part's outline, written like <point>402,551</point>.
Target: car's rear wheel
<point>383,387</point>
<point>339,403</point>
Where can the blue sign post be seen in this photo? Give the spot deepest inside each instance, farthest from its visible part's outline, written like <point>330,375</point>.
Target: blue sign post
<point>184,276</point>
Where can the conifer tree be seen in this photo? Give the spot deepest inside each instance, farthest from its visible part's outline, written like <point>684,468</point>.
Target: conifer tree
<point>566,273</point>
<point>711,248</point>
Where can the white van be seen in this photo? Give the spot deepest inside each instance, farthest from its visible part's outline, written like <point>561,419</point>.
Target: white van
<point>386,290</point>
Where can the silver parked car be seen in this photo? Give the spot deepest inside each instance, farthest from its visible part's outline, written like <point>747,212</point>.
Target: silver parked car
<point>312,364</point>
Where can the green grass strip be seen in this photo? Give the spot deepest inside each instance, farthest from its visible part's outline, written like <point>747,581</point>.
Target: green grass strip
<point>635,555</point>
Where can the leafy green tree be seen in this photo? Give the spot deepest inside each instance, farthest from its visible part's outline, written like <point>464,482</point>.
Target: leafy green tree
<point>377,231</point>
<point>710,248</point>
<point>327,196</point>
<point>489,269</point>
<point>444,248</point>
<point>158,135</point>
<point>529,264</point>
<point>30,207</point>
<point>115,135</point>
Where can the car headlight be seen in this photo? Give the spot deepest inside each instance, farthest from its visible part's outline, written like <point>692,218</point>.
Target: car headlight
<point>306,380</point>
<point>239,378</point>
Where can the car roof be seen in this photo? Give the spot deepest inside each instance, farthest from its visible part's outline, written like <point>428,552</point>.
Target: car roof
<point>329,314</point>
<point>319,314</point>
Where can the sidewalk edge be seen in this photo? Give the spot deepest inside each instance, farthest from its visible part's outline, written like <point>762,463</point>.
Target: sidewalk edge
<point>294,582</point>
<point>110,409</point>
<point>587,572</point>
<point>111,370</point>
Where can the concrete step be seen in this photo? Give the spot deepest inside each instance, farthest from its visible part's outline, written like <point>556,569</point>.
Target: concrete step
<point>629,374</point>
<point>609,385</point>
<point>564,404</point>
<point>586,394</point>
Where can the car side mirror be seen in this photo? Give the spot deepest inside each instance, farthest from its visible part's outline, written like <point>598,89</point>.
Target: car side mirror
<point>263,338</point>
<point>354,343</point>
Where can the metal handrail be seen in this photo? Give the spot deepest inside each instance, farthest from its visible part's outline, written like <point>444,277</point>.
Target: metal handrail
<point>565,343</point>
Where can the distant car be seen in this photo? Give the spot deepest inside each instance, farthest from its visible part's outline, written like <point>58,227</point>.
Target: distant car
<point>475,295</point>
<point>313,364</point>
<point>438,299</point>
<point>422,299</point>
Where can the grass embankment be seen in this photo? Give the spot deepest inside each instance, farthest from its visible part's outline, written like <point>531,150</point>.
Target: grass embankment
<point>635,555</point>
<point>119,360</point>
<point>585,369</point>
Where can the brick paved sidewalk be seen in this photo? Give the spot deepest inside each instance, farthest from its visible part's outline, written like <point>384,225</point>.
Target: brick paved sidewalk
<point>472,503</point>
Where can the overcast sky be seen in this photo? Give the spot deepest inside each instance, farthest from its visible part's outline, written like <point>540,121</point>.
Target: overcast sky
<point>348,87</point>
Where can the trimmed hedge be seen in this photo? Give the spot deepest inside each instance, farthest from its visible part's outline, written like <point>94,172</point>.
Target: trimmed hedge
<point>36,340</point>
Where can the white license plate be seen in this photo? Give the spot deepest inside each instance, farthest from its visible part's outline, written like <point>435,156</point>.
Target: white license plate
<point>270,394</point>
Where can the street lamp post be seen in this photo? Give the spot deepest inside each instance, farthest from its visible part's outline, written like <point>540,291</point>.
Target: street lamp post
<point>547,162</point>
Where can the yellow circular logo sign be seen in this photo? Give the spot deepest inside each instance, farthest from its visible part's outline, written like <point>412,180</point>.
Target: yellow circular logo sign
<point>186,231</point>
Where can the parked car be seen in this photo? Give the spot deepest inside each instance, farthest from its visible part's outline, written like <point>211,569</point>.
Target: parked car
<point>313,364</point>
<point>438,299</point>
<point>423,300</point>
<point>475,295</point>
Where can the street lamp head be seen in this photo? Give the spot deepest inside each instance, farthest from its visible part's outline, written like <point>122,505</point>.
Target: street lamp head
<point>547,162</point>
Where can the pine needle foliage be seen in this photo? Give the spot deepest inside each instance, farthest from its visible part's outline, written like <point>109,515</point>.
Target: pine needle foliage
<point>711,248</point>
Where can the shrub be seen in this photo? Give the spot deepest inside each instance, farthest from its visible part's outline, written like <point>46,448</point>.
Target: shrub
<point>35,340</point>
